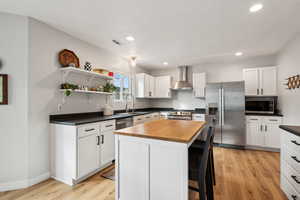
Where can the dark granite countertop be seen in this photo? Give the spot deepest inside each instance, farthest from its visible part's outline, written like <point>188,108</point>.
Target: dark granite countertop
<point>292,129</point>
<point>85,118</point>
<point>261,114</point>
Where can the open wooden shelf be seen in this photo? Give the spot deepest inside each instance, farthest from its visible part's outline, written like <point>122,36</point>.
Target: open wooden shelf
<point>85,72</point>
<point>87,92</point>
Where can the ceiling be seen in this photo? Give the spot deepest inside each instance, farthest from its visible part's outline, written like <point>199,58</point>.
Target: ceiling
<point>176,31</point>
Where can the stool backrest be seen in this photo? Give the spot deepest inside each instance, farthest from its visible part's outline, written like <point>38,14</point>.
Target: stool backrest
<point>204,159</point>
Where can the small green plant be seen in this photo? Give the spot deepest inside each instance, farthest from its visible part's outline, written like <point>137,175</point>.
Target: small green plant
<point>109,87</point>
<point>68,87</point>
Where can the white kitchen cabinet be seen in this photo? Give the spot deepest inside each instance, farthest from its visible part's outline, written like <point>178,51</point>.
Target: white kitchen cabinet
<point>198,117</point>
<point>88,154</point>
<point>251,78</point>
<point>78,152</point>
<point>199,84</point>
<point>260,81</point>
<point>107,147</point>
<point>263,131</point>
<point>163,87</point>
<point>152,87</point>
<point>254,135</point>
<point>268,76</point>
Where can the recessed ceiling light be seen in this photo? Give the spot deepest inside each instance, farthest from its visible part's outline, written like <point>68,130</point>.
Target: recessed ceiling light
<point>165,63</point>
<point>256,8</point>
<point>130,38</point>
<point>238,53</point>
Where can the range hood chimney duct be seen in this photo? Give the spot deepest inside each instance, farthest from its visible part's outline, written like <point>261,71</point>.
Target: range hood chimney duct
<point>183,83</point>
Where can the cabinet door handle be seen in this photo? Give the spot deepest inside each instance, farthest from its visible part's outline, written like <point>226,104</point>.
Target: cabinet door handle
<point>295,179</point>
<point>266,128</point>
<point>294,197</point>
<point>98,140</point>
<point>295,158</point>
<point>261,127</point>
<point>102,139</point>
<point>273,120</point>
<point>257,92</point>
<point>295,142</point>
<point>108,126</point>
<point>88,130</point>
<point>262,91</point>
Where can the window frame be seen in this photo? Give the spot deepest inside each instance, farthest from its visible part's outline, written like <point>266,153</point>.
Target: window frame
<point>130,80</point>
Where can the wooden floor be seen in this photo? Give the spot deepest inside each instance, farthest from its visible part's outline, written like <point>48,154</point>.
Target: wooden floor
<point>241,175</point>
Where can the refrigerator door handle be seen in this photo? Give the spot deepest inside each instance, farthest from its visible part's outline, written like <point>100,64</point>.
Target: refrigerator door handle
<point>220,111</point>
<point>223,107</point>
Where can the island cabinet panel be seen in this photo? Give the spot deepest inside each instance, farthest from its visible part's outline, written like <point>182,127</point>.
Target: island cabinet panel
<point>149,169</point>
<point>166,177</point>
<point>133,170</point>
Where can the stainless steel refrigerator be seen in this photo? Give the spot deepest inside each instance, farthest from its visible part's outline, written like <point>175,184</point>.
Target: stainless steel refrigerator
<point>226,108</point>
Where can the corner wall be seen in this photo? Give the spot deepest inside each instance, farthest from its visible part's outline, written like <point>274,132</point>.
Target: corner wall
<point>289,65</point>
<point>14,116</point>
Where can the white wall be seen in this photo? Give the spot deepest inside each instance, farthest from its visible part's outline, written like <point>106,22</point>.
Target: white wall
<point>14,116</point>
<point>289,65</point>
<point>216,72</point>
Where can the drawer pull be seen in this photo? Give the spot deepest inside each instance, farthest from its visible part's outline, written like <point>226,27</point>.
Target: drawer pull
<point>88,130</point>
<point>253,119</point>
<point>273,120</point>
<point>295,142</point>
<point>108,126</point>
<point>294,197</point>
<point>295,179</point>
<point>98,140</point>
<point>295,158</point>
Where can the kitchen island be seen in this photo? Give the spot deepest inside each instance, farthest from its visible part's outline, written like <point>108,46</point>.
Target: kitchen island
<point>152,159</point>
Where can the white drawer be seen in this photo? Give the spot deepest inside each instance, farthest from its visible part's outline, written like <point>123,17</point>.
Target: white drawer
<point>292,142</point>
<point>272,120</point>
<point>108,125</point>
<point>148,117</point>
<point>199,117</point>
<point>155,115</point>
<point>251,119</point>
<point>138,119</point>
<point>292,176</point>
<point>292,158</point>
<point>289,190</point>
<point>88,129</point>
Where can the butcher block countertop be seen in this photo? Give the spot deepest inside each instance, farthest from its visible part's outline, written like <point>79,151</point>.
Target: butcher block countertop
<point>169,130</point>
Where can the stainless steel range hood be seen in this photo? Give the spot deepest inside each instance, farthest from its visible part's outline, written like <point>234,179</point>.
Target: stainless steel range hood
<point>183,83</point>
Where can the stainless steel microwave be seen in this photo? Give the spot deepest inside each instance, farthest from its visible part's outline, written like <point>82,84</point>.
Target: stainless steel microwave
<point>261,105</point>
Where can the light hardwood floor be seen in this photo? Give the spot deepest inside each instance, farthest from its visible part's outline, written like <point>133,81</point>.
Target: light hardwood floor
<point>241,175</point>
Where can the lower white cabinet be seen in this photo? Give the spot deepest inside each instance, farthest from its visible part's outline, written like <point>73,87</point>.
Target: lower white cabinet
<point>290,165</point>
<point>145,118</point>
<point>198,117</point>
<point>80,151</point>
<point>88,154</point>
<point>263,131</point>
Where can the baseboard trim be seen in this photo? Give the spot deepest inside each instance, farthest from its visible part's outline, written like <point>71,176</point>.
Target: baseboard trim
<point>16,185</point>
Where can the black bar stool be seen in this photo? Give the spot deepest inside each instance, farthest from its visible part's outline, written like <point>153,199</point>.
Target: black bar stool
<point>199,168</point>
<point>200,144</point>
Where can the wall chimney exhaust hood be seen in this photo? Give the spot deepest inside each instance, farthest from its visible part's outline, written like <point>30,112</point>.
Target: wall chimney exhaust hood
<point>183,83</point>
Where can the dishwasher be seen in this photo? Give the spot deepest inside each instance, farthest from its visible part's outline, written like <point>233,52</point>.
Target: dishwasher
<point>124,123</point>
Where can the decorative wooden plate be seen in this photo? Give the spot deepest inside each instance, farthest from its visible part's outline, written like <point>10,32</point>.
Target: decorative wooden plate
<point>67,58</point>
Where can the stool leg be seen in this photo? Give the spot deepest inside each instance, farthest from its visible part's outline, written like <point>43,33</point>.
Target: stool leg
<point>209,184</point>
<point>213,166</point>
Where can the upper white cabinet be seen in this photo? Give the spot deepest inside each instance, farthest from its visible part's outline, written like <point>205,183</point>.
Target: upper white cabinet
<point>162,87</point>
<point>152,87</point>
<point>263,131</point>
<point>260,81</point>
<point>199,84</point>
